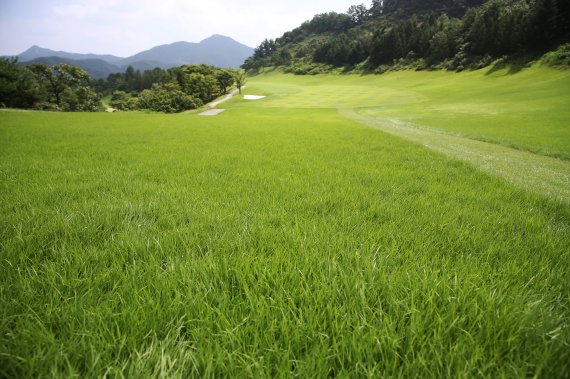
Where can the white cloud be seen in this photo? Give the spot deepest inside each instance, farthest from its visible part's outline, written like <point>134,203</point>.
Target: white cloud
<point>124,27</point>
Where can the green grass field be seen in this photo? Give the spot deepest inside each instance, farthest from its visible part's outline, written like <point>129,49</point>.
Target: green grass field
<point>280,239</point>
<point>529,110</point>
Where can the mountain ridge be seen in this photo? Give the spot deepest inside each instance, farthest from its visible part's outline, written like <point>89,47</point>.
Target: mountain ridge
<point>36,51</point>
<point>216,50</point>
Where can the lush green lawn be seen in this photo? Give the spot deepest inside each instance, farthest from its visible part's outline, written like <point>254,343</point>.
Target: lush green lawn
<point>529,110</point>
<point>268,242</point>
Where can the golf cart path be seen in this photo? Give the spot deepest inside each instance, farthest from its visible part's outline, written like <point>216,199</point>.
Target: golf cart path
<point>533,172</point>
<point>214,104</point>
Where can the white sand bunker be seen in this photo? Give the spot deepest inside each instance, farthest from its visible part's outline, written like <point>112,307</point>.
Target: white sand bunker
<point>252,97</point>
<point>212,112</point>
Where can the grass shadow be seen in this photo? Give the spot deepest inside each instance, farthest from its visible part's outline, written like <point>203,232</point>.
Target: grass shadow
<point>512,67</point>
<point>514,64</point>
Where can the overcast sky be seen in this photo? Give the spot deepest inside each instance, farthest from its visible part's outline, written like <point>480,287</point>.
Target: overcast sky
<point>126,27</point>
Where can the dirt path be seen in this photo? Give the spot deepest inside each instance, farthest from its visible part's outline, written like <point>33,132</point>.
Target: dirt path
<point>533,172</point>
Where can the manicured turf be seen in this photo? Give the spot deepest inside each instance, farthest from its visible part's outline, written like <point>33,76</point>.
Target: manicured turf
<point>268,242</point>
<point>528,110</point>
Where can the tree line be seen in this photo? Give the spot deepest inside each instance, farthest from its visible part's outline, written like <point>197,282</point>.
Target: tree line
<point>455,34</point>
<point>37,86</point>
<point>65,87</point>
<point>173,90</point>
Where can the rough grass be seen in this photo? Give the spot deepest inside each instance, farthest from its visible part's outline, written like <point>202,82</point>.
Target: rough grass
<point>528,110</point>
<point>268,243</point>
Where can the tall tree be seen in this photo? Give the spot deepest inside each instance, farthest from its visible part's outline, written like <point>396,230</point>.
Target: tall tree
<point>544,21</point>
<point>67,87</point>
<point>376,9</point>
<point>17,86</point>
<point>358,13</point>
<point>225,80</point>
<point>240,78</point>
<point>59,78</point>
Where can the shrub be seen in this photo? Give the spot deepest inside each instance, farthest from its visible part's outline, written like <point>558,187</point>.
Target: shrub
<point>167,98</point>
<point>82,99</point>
<point>120,100</point>
<point>558,57</point>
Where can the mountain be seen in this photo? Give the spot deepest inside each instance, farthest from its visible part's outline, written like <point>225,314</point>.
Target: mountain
<point>216,50</point>
<point>97,68</point>
<point>35,52</point>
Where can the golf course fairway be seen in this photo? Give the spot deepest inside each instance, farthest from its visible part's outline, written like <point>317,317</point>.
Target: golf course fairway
<point>309,233</point>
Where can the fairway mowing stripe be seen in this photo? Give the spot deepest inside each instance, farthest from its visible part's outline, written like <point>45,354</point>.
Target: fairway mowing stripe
<point>533,172</point>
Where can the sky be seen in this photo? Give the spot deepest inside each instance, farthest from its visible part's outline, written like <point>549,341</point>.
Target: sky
<point>126,27</point>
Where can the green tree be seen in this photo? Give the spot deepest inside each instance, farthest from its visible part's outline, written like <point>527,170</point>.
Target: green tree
<point>358,13</point>
<point>376,9</point>
<point>240,78</point>
<point>120,100</point>
<point>439,47</point>
<point>387,46</point>
<point>543,22</point>
<point>203,87</point>
<point>18,88</point>
<point>58,79</point>
<point>81,99</point>
<point>167,98</point>
<point>282,57</point>
<point>265,49</point>
<point>225,80</point>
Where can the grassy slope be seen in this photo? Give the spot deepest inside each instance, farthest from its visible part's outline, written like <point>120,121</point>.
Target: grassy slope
<point>267,242</point>
<point>528,110</point>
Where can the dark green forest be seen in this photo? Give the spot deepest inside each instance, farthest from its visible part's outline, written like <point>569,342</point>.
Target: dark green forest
<point>170,91</point>
<point>421,34</point>
<point>68,88</point>
<point>37,86</point>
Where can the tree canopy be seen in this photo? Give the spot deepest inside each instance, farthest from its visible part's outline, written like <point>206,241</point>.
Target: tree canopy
<point>63,87</point>
<point>454,34</point>
<point>60,87</point>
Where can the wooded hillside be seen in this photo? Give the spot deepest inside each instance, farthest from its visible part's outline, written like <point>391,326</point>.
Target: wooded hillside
<point>452,34</point>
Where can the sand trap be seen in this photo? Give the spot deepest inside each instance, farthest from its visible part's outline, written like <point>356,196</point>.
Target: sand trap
<point>252,97</point>
<point>212,112</point>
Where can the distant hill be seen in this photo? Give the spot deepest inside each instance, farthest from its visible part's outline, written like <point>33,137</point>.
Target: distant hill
<point>216,50</point>
<point>35,52</point>
<point>97,68</point>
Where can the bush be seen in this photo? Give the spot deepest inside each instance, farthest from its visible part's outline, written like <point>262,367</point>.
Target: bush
<point>308,68</point>
<point>558,57</point>
<point>120,100</point>
<point>167,98</point>
<point>46,106</point>
<point>82,99</point>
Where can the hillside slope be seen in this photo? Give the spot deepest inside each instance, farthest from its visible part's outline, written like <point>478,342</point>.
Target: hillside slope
<point>449,34</point>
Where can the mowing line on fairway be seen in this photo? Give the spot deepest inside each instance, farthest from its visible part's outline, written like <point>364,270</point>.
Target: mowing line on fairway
<point>533,172</point>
